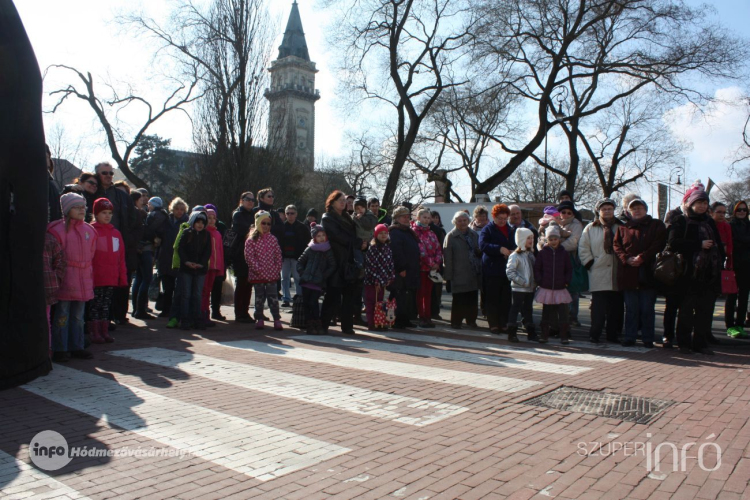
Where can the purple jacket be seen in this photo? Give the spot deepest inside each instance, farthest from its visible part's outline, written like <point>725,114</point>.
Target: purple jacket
<point>552,269</point>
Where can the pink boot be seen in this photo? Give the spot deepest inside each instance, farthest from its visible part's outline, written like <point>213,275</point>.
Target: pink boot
<point>259,324</point>
<point>104,331</point>
<point>93,328</point>
<point>277,325</point>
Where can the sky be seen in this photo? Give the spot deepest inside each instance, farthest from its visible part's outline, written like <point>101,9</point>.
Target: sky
<point>83,34</point>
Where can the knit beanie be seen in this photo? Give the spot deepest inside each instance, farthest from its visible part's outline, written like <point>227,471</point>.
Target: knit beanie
<point>564,192</point>
<point>399,211</point>
<point>199,208</point>
<point>101,205</point>
<point>379,229</point>
<point>696,185</point>
<point>522,235</point>
<point>211,206</point>
<point>262,214</point>
<point>697,194</point>
<point>552,231</point>
<point>156,202</point>
<point>605,201</point>
<point>566,205</point>
<point>551,210</point>
<point>312,212</point>
<point>315,229</point>
<point>70,200</point>
<point>210,211</point>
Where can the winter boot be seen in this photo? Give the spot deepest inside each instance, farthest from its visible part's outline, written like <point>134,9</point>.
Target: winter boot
<point>259,324</point>
<point>512,337</point>
<point>134,302</point>
<point>565,333</point>
<point>207,320</point>
<point>277,324</point>
<point>94,330</point>
<point>531,330</point>
<point>311,330</point>
<point>104,331</point>
<point>545,332</point>
<point>140,302</point>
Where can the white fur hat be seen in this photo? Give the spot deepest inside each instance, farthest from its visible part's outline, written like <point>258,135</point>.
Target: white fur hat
<point>522,235</point>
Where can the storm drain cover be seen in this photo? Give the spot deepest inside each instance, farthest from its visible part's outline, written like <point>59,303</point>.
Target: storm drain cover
<point>604,404</point>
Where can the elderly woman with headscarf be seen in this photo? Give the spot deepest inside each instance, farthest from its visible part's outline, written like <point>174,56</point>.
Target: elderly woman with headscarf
<point>596,251</point>
<point>497,241</point>
<point>463,269</point>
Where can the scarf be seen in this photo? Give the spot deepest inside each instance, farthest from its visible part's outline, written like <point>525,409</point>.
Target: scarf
<point>319,247</point>
<point>474,260</point>
<point>608,236</point>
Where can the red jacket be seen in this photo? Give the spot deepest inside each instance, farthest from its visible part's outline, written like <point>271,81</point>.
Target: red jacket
<point>725,233</point>
<point>109,259</point>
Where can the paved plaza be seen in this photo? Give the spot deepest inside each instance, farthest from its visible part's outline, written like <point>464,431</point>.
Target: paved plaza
<point>232,412</point>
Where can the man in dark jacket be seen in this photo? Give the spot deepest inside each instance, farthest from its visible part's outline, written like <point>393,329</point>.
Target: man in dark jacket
<point>294,240</point>
<point>516,220</point>
<point>406,259</point>
<point>373,205</point>
<point>243,219</point>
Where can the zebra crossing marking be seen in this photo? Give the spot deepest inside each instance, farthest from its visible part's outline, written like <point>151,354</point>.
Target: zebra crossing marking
<point>396,368</point>
<point>404,409</point>
<point>533,351</point>
<point>20,480</point>
<point>466,357</point>
<point>253,449</point>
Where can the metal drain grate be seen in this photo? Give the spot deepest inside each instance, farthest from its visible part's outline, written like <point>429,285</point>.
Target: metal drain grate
<point>605,404</point>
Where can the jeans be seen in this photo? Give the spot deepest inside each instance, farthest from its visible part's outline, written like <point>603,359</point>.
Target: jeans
<point>289,270</point>
<point>67,326</point>
<point>523,302</point>
<point>640,309</point>
<point>266,292</point>
<point>311,299</point>
<point>144,274</point>
<point>191,286</point>
<point>606,307</point>
<point>464,307</point>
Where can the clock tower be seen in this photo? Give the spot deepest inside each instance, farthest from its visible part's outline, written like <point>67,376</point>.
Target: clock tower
<point>292,96</point>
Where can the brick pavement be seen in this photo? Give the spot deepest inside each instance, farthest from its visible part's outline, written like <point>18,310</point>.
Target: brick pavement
<point>418,414</point>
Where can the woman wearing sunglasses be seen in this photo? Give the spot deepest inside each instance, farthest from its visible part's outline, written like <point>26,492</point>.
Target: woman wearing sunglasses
<point>741,263</point>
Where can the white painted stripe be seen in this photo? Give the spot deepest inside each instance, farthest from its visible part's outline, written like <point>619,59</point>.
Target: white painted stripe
<point>533,351</point>
<point>21,480</point>
<point>247,447</point>
<point>399,369</point>
<point>404,409</point>
<point>465,357</point>
<point>465,332</point>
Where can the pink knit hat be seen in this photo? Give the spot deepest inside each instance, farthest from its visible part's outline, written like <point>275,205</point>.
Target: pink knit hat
<point>696,185</point>
<point>379,229</point>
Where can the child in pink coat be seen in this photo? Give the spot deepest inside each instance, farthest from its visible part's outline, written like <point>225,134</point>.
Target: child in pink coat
<point>431,256</point>
<point>109,270</point>
<point>215,265</point>
<point>78,241</point>
<point>263,257</point>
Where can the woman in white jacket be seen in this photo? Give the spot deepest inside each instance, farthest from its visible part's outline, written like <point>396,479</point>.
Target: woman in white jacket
<point>520,272</point>
<point>598,257</point>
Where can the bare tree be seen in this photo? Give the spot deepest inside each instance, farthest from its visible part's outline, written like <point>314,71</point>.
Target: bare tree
<point>742,155</point>
<point>122,144</point>
<point>589,46</point>
<point>415,43</point>
<point>65,154</point>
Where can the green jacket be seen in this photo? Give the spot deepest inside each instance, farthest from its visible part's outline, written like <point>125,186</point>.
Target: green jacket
<point>175,254</point>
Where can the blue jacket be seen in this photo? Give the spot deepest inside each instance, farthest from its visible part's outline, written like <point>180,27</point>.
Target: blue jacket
<point>491,240</point>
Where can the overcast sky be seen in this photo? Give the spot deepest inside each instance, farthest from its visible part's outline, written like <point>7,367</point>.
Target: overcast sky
<point>82,33</point>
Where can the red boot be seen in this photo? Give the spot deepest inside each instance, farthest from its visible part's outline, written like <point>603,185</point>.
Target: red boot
<point>93,328</point>
<point>104,331</point>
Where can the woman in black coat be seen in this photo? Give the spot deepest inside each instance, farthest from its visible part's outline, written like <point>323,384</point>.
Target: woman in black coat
<point>695,236</point>
<point>406,260</point>
<point>242,220</point>
<point>168,234</point>
<point>740,225</point>
<point>340,292</point>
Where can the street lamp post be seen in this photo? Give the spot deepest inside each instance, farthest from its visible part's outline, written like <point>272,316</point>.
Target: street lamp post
<point>559,116</point>
<point>669,184</point>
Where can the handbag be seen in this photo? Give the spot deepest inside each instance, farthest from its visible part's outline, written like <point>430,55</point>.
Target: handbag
<point>580,280</point>
<point>728,283</point>
<point>299,316</point>
<point>669,267</point>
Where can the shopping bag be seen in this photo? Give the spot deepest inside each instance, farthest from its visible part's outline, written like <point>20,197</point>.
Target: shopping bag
<point>580,281</point>
<point>728,282</point>
<point>299,319</point>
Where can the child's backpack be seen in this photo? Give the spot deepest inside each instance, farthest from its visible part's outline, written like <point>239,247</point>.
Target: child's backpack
<point>299,319</point>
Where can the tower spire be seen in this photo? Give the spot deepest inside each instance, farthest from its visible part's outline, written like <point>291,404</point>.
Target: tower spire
<point>294,43</point>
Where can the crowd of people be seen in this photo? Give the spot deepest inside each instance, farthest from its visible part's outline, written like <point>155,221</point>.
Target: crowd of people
<point>104,241</point>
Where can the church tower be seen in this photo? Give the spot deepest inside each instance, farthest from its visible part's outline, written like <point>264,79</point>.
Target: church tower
<point>292,96</point>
